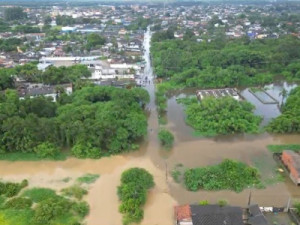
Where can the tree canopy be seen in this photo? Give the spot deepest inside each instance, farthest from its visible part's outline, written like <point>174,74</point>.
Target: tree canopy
<point>221,116</point>
<point>97,121</point>
<point>14,13</point>
<point>224,63</point>
<point>289,120</point>
<point>135,183</point>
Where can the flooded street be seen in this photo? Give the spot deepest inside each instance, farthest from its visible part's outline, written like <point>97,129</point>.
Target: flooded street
<point>188,150</point>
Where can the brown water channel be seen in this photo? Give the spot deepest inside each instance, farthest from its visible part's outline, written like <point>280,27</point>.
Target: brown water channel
<point>189,150</point>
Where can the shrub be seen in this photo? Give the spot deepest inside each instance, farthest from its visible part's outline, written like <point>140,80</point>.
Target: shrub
<point>39,194</point>
<point>46,150</point>
<point>176,175</point>
<point>74,191</point>
<point>166,138</point>
<point>88,178</point>
<point>81,208</point>
<point>139,176</point>
<point>222,203</point>
<point>133,193</point>
<point>2,201</point>
<point>228,175</point>
<point>50,209</point>
<point>18,203</point>
<point>10,189</point>
<point>204,202</point>
<point>86,151</point>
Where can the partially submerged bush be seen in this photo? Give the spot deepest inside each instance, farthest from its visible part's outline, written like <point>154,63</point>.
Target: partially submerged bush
<point>166,138</point>
<point>132,192</point>
<point>10,189</point>
<point>46,150</point>
<point>228,175</point>
<point>74,191</point>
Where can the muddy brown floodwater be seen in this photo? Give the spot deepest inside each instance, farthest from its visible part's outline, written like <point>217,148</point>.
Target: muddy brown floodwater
<point>188,150</point>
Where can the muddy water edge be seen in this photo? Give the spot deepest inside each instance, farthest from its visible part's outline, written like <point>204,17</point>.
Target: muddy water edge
<point>188,150</point>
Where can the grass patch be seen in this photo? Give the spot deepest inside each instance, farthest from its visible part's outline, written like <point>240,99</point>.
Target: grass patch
<point>280,148</point>
<point>16,217</point>
<point>88,178</point>
<point>20,156</point>
<point>39,194</point>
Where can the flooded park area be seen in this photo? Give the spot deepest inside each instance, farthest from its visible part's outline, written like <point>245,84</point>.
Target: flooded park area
<point>189,150</point>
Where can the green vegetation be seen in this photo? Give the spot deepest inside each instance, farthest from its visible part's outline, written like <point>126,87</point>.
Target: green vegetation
<point>280,148</point>
<point>289,120</point>
<point>88,178</point>
<point>46,150</point>
<point>74,191</point>
<point>9,189</point>
<point>94,40</point>
<point>29,156</point>
<point>166,138</point>
<point>10,44</point>
<point>135,183</point>
<point>42,206</point>
<point>14,13</point>
<point>18,203</point>
<point>139,23</point>
<point>30,73</point>
<point>204,202</point>
<point>221,116</point>
<point>177,173</point>
<point>228,175</point>
<point>93,122</point>
<point>222,203</point>
<point>297,207</point>
<point>39,194</point>
<point>224,63</point>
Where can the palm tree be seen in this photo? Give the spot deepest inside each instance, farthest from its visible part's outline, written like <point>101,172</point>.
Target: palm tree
<point>284,94</point>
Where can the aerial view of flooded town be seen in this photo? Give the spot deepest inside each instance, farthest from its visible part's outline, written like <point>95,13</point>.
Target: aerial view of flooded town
<point>149,112</point>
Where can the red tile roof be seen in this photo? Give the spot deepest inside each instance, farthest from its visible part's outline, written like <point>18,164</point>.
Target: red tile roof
<point>183,212</point>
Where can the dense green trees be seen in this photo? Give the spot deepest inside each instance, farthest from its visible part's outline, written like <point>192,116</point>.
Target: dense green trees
<point>6,78</point>
<point>64,20</point>
<point>10,44</point>
<point>60,75</point>
<point>26,29</point>
<point>139,23</point>
<point>97,121</point>
<point>228,175</point>
<point>94,39</point>
<point>224,63</point>
<point>14,13</point>
<point>135,183</point>
<point>289,120</point>
<point>221,116</point>
<point>52,75</point>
